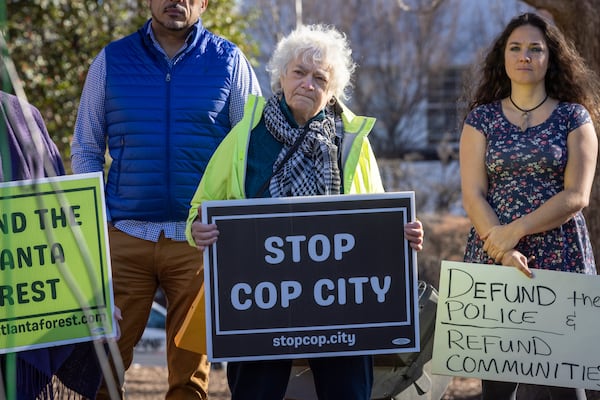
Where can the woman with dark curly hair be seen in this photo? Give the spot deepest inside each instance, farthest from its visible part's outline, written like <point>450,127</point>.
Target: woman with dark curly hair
<point>528,154</point>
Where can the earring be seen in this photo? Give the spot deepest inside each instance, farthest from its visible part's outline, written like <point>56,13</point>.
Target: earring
<point>332,101</point>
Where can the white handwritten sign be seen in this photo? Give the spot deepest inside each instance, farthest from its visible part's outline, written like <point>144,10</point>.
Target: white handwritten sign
<point>495,323</point>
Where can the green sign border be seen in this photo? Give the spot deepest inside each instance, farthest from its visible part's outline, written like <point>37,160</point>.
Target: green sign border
<point>56,286</point>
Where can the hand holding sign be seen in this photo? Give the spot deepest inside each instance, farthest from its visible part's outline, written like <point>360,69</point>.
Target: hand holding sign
<point>204,234</point>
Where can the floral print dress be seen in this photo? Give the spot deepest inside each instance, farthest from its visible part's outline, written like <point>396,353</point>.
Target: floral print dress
<point>524,170</point>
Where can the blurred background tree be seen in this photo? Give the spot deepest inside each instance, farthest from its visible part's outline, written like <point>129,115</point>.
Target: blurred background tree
<point>53,42</point>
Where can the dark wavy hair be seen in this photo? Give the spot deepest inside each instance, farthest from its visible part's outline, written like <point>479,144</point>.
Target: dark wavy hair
<point>568,77</point>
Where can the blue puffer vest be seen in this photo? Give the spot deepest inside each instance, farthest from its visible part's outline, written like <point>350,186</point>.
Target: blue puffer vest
<point>163,123</point>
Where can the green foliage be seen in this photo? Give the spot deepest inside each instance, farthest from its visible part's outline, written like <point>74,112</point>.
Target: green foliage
<point>223,17</point>
<point>52,43</point>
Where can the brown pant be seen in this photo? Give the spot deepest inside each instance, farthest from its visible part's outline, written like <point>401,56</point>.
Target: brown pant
<point>139,267</point>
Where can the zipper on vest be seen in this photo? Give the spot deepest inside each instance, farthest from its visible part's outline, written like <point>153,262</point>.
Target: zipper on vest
<point>168,115</point>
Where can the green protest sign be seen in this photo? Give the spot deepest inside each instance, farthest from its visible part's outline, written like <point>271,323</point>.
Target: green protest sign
<point>55,285</point>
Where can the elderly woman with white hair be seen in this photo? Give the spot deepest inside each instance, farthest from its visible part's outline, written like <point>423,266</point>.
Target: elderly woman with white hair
<point>303,142</point>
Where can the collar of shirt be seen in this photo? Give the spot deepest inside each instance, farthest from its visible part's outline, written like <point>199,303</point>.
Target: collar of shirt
<point>190,40</point>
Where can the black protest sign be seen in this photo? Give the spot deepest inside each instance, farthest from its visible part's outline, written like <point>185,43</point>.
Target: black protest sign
<point>311,276</point>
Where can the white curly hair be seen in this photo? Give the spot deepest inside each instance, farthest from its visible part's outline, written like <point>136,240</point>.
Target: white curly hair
<point>321,45</point>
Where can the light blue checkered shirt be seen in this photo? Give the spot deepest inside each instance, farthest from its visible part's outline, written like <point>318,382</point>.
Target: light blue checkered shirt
<point>88,148</point>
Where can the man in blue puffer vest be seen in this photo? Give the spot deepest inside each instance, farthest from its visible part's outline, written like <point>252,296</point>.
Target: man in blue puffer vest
<point>162,99</point>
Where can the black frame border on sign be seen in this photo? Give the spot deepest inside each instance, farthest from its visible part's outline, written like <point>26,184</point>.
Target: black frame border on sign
<point>373,327</point>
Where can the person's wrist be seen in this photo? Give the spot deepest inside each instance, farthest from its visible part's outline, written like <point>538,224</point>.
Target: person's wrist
<point>518,228</point>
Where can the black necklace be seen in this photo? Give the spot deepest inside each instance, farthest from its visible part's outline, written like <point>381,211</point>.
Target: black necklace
<point>526,112</point>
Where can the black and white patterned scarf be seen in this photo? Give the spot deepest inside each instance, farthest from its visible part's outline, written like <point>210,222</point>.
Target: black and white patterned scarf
<point>313,168</point>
